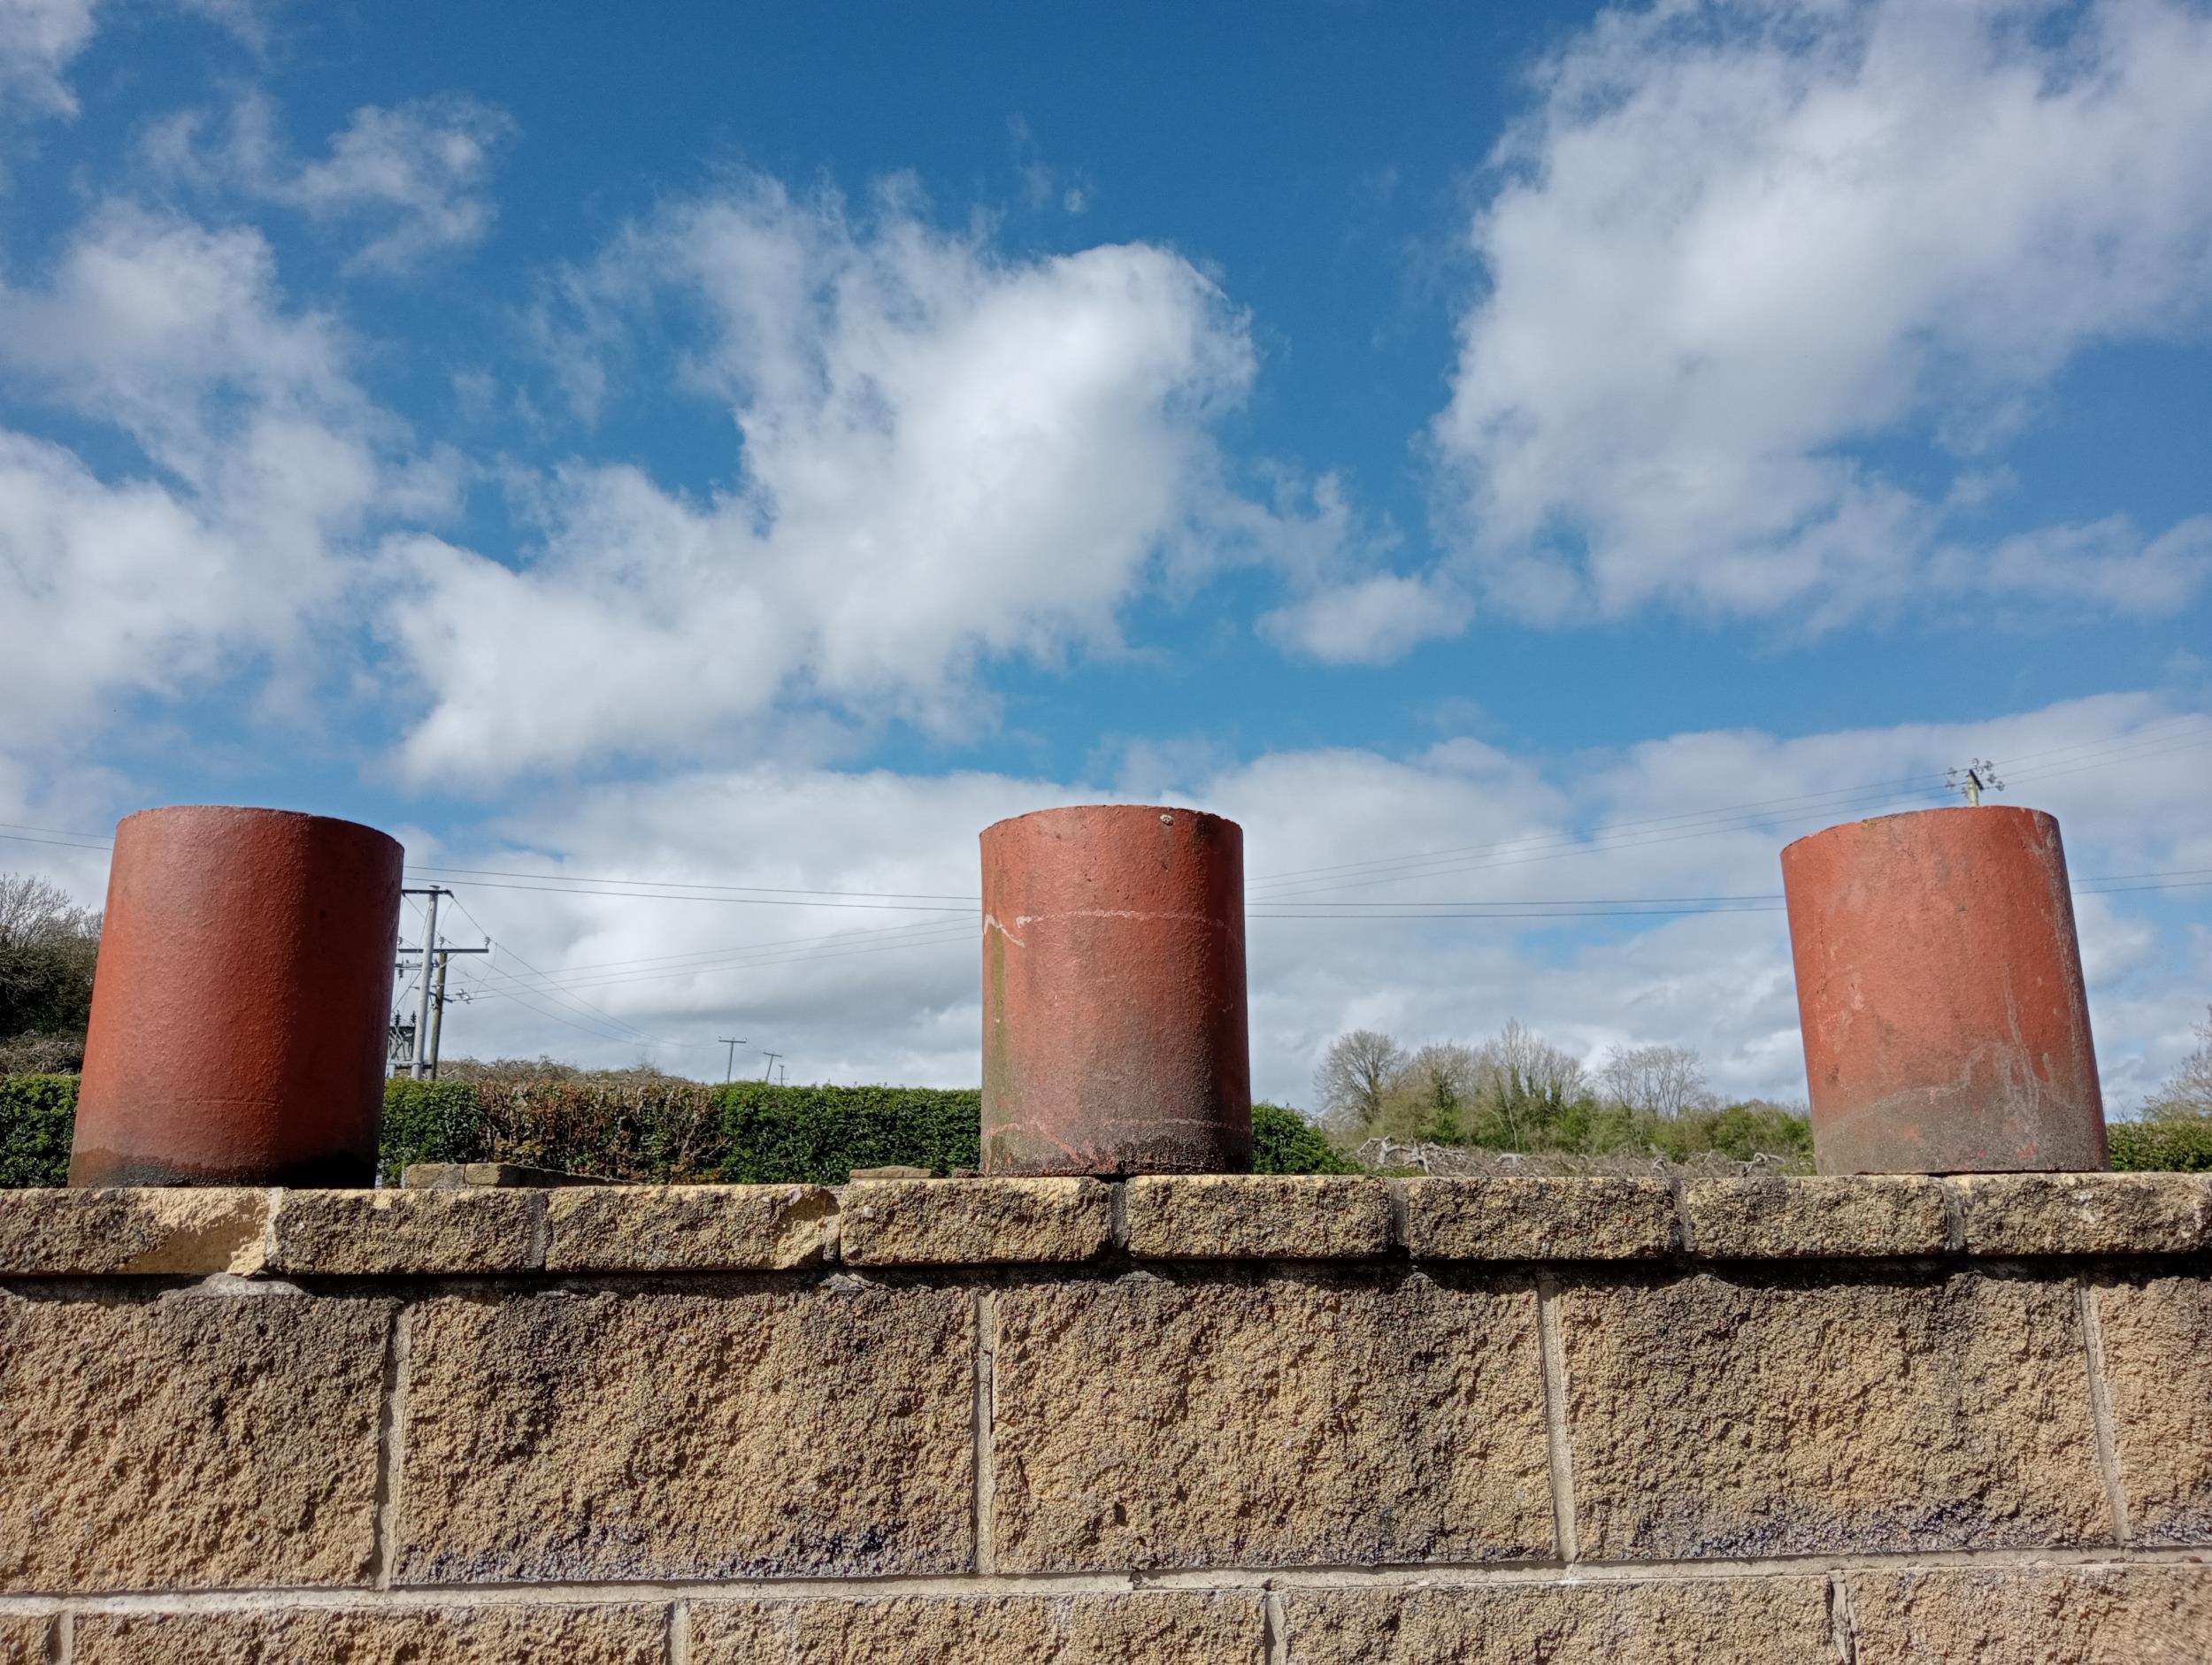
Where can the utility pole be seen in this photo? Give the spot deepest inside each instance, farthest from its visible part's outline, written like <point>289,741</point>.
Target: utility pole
<point>437,1013</point>
<point>733,1042</point>
<point>430,1012</point>
<point>1979,776</point>
<point>771,1070</point>
<point>429,946</point>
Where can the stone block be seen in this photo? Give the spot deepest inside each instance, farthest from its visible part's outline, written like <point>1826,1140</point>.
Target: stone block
<point>1157,1628</point>
<point>454,1175</point>
<point>753,1431</point>
<point>1600,1217</point>
<point>2158,1379</point>
<point>23,1641</point>
<point>1690,1621</point>
<point>627,1635</point>
<point>1772,1414</point>
<point>371,1233</point>
<point>102,1231</point>
<point>192,1441</point>
<point>1258,1217</point>
<point>1773,1218</point>
<point>973,1222</point>
<point>2086,1214</point>
<point>1234,1422</point>
<point>2113,1615</point>
<point>689,1228</point>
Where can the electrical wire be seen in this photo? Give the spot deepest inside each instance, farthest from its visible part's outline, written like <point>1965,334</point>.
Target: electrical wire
<point>675,884</point>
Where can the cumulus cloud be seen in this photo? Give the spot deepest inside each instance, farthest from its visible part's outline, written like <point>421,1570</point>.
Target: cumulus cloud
<point>861,994</point>
<point>1739,239</point>
<point>416,175</point>
<point>946,458</point>
<point>260,466</point>
<point>38,39</point>
<point>1368,621</point>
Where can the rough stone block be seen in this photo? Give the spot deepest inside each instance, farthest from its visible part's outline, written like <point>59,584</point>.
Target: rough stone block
<point>369,1233</point>
<point>2131,1616</point>
<point>1600,1217</point>
<point>973,1222</point>
<point>421,1635</point>
<point>1157,1628</point>
<point>1771,1218</point>
<point>100,1232</point>
<point>1701,1622</point>
<point>758,1431</point>
<point>192,1441</point>
<point>1145,1423</point>
<point>454,1175</point>
<point>1777,1416</point>
<point>1258,1217</point>
<point>2086,1214</point>
<point>23,1641</point>
<point>2158,1377</point>
<point>693,1227</point>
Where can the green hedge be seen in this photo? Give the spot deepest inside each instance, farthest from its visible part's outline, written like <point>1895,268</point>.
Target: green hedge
<point>749,1132</point>
<point>37,1113</point>
<point>2161,1147</point>
<point>1284,1142</point>
<point>430,1121</point>
<point>776,1134</point>
<point>650,1131</point>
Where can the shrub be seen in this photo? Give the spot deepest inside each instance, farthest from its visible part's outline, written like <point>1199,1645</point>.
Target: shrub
<point>429,1121</point>
<point>37,1113</point>
<point>778,1135</point>
<point>645,1130</point>
<point>41,1055</point>
<point>2183,1147</point>
<point>1284,1142</point>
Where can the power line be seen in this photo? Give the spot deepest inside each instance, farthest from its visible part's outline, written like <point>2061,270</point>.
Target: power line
<point>688,884</point>
<point>947,937</point>
<point>2151,739</point>
<point>701,895</point>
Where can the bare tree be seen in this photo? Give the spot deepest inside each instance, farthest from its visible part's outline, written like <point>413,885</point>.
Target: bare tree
<point>34,910</point>
<point>1526,1082</point>
<point>1658,1081</point>
<point>1355,1076</point>
<point>2186,1095</point>
<point>1537,1066</point>
<point>1430,1095</point>
<point>1445,1072</point>
<point>47,947</point>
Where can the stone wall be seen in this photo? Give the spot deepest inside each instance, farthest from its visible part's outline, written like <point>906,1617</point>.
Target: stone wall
<point>1271,1420</point>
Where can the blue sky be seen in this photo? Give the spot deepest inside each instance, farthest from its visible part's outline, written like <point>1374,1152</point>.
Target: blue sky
<point>760,446</point>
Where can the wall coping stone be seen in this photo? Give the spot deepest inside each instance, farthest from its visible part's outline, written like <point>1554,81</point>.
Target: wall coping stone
<point>455,1175</point>
<point>494,1230</point>
<point>973,1222</point>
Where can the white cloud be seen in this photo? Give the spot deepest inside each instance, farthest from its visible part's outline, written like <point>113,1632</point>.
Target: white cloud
<point>1736,239</point>
<point>263,465</point>
<point>2108,564</point>
<point>1368,621</point>
<point>249,20</point>
<point>948,458</point>
<point>849,997</point>
<point>416,174</point>
<point>38,38</point>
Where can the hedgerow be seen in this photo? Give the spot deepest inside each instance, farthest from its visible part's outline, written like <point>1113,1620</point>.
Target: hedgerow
<point>653,1128</point>
<point>2161,1147</point>
<point>37,1114</point>
<point>1284,1142</point>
